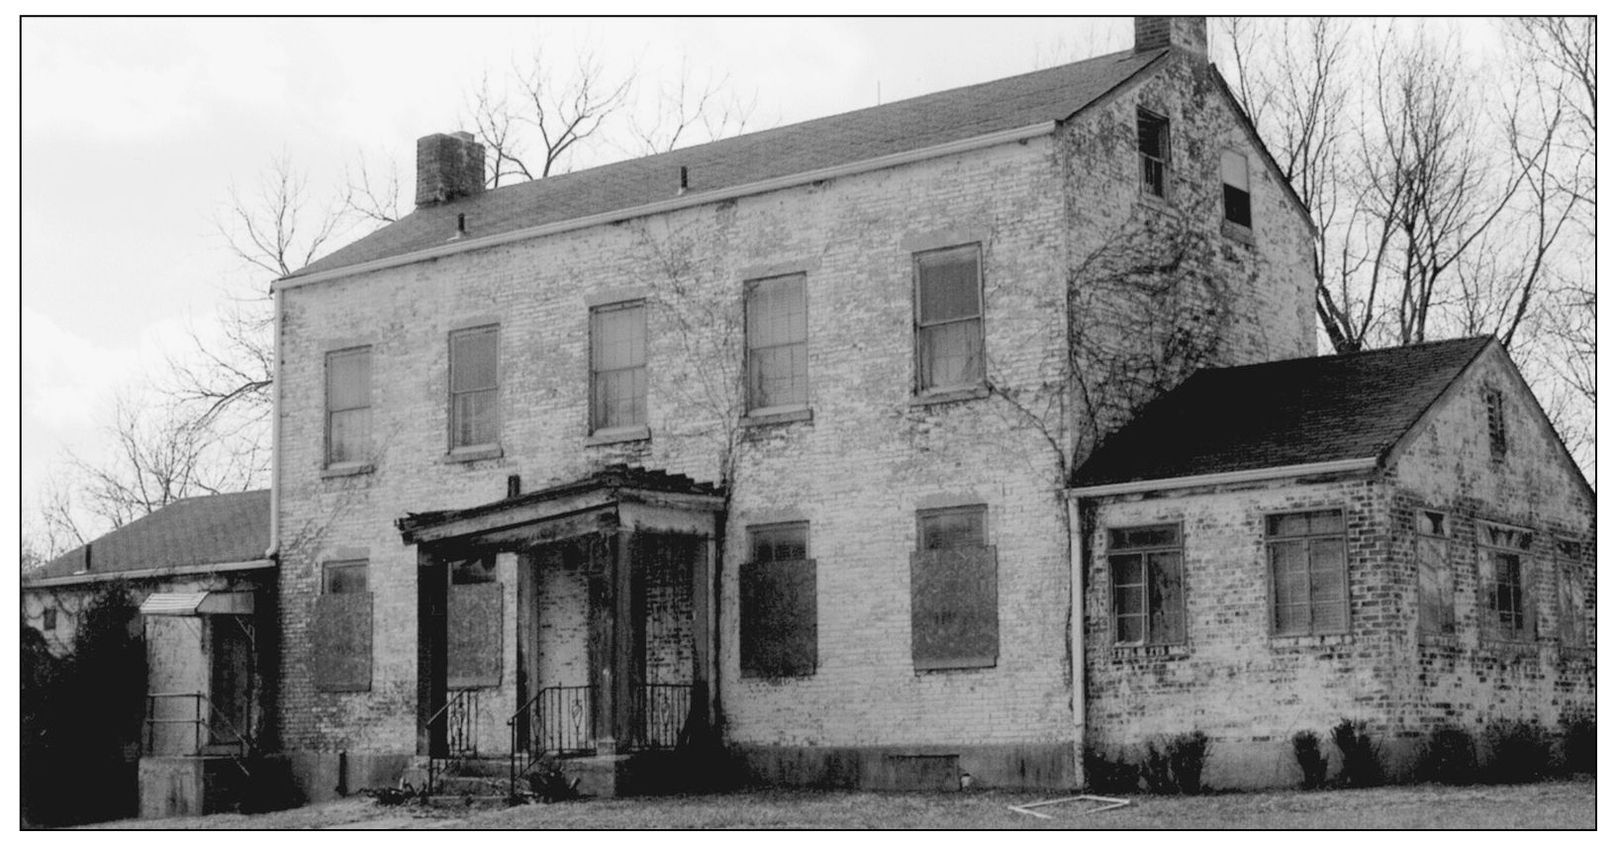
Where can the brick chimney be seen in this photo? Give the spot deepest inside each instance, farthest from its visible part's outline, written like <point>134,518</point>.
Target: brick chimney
<point>447,167</point>
<point>1185,33</point>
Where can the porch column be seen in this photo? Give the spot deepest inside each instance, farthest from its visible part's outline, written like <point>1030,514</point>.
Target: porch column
<point>613,617</point>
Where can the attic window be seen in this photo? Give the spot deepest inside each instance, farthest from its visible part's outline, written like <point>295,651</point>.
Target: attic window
<point>50,619</point>
<point>1236,189</point>
<point>1495,422</point>
<point>1153,153</point>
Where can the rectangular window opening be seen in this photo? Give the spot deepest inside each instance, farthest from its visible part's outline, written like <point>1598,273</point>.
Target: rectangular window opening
<point>1147,589</point>
<point>1496,439</point>
<point>1308,572</point>
<point>948,319</point>
<point>617,383</point>
<point>474,387</point>
<point>954,596</point>
<point>779,603</point>
<point>776,342</point>
<point>347,406</point>
<point>1236,189</point>
<point>1153,146</point>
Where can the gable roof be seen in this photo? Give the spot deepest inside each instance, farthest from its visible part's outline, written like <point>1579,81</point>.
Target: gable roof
<point>1040,97</point>
<point>1311,411</point>
<point>222,528</point>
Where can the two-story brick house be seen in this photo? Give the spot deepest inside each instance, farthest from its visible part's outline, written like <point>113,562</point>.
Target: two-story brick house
<point>764,442</point>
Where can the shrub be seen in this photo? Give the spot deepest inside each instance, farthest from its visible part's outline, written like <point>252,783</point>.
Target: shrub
<point>1360,756</point>
<point>1448,756</point>
<point>1110,776</point>
<point>1305,744</point>
<point>1578,745</point>
<point>1174,765</point>
<point>1518,751</point>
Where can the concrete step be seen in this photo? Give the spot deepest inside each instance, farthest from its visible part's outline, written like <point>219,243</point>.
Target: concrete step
<point>473,786</point>
<point>452,801</point>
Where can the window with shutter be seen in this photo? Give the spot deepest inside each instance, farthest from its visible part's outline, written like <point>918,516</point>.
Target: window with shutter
<point>779,604</point>
<point>954,594</point>
<point>347,406</point>
<point>948,319</point>
<point>1307,563</point>
<point>776,343</point>
<point>1147,591</point>
<point>342,629</point>
<point>473,387</point>
<point>617,383</point>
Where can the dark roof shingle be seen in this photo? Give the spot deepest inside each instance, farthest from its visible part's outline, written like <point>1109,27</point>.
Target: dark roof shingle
<point>1046,95</point>
<point>198,530</point>
<point>1294,412</point>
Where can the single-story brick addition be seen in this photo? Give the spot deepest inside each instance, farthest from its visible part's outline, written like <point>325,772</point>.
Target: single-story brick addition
<point>768,445</point>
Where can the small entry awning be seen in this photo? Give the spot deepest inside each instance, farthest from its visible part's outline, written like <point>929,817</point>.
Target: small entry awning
<point>195,604</point>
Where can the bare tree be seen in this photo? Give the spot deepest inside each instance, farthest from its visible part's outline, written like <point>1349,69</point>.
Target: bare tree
<point>687,110</point>
<point>532,132</point>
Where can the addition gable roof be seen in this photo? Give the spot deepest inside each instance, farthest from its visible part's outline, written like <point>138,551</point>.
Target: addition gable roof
<point>923,122</point>
<point>1321,410</point>
<point>217,529</point>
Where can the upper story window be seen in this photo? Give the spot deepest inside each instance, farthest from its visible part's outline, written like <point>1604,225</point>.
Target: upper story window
<point>954,591</point>
<point>1236,189</point>
<point>347,406</point>
<point>1497,442</point>
<point>776,342</point>
<point>1153,153</point>
<point>948,319</point>
<point>1307,559</point>
<point>474,387</point>
<point>1147,586</point>
<point>617,366</point>
<point>1508,609</point>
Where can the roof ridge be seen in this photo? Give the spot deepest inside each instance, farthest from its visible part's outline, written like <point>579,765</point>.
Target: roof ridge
<point>1349,355</point>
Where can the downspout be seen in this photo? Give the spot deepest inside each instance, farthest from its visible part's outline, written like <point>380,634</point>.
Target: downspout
<point>274,549</point>
<point>1078,540</point>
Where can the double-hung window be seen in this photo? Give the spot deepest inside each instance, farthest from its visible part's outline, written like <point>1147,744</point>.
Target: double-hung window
<point>1147,586</point>
<point>1236,189</point>
<point>776,343</point>
<point>948,319</point>
<point>1506,582</point>
<point>474,388</point>
<point>617,366</point>
<point>1153,145</point>
<point>1307,561</point>
<point>347,406</point>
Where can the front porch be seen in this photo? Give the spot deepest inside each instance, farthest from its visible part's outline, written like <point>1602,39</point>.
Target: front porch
<point>611,616</point>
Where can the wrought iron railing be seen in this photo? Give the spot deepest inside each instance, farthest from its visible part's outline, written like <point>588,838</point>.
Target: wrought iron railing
<point>457,721</point>
<point>557,721</point>
<point>660,712</point>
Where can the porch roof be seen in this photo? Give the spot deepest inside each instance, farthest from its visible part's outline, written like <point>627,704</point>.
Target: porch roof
<point>615,495</point>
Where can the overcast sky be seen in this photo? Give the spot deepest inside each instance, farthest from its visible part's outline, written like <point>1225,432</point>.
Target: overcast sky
<point>134,132</point>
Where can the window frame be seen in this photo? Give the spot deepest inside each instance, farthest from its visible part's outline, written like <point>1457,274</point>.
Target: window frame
<point>1503,546</point>
<point>597,424</point>
<point>783,527</point>
<point>1497,430</point>
<point>1435,528</point>
<point>967,661</point>
<point>330,569</point>
<point>455,446</point>
<point>47,619</point>
<point>368,407</point>
<point>770,669</point>
<point>1313,628</point>
<point>1569,564</point>
<point>1142,554</point>
<point>1164,163</point>
<point>753,406</point>
<point>1245,161</point>
<point>920,325</point>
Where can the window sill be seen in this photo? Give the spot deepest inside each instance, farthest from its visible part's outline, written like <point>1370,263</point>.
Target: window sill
<point>1125,653</point>
<point>1301,641</point>
<point>352,468</point>
<point>953,395</point>
<point>1239,233</point>
<point>466,454</point>
<point>618,435</point>
<point>942,667</point>
<point>777,414</point>
<point>1159,204</point>
<point>773,679</point>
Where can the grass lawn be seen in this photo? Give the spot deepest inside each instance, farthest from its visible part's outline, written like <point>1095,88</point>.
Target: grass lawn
<point>1559,805</point>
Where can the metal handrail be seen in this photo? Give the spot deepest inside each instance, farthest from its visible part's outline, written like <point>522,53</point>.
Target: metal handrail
<point>197,720</point>
<point>459,714</point>
<point>529,752</point>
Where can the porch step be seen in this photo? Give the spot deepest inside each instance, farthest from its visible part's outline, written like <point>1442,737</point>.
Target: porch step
<point>482,801</point>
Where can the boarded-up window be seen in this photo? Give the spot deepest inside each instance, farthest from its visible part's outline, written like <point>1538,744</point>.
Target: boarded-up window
<point>776,342</point>
<point>1505,580</point>
<point>474,387</point>
<point>475,634</point>
<point>341,632</point>
<point>948,318</point>
<point>347,406</point>
<point>1147,590</point>
<point>1307,559</point>
<point>617,366</point>
<point>1573,592</point>
<point>954,591</point>
<point>1436,585</point>
<point>779,604</point>
<point>1236,189</point>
